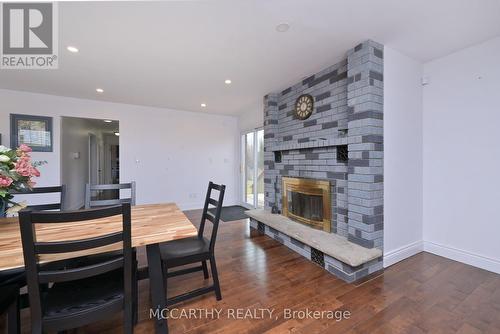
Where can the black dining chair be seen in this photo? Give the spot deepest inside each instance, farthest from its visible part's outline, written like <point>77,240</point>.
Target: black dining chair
<point>90,202</point>
<point>17,276</point>
<point>9,303</point>
<point>59,205</point>
<point>196,249</point>
<point>90,189</point>
<point>80,294</point>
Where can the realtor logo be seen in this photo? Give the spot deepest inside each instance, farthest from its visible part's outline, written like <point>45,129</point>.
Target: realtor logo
<point>29,36</point>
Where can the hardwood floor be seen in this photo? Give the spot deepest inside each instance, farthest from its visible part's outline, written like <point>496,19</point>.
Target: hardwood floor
<point>423,294</point>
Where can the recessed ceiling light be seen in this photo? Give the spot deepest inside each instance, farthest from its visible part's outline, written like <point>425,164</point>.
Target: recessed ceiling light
<point>203,105</point>
<point>282,27</point>
<point>107,121</point>
<point>72,49</point>
<point>227,82</point>
<point>117,134</point>
<point>99,90</point>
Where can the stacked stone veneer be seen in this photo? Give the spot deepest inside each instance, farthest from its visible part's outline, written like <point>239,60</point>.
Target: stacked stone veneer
<point>348,110</point>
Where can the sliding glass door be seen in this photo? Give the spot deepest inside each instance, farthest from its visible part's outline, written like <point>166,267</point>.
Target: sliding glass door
<point>252,154</point>
<point>249,166</point>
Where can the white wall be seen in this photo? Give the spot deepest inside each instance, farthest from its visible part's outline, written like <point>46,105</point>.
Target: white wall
<point>462,156</point>
<point>402,156</point>
<point>171,154</point>
<point>251,119</point>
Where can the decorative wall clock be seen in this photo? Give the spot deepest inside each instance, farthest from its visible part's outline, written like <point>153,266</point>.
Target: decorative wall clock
<point>304,106</point>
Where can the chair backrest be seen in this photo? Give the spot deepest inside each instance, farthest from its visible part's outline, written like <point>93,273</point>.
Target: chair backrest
<point>207,215</point>
<point>45,190</point>
<point>90,188</point>
<point>37,275</point>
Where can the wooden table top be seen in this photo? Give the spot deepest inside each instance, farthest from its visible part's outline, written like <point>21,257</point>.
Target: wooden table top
<point>151,224</point>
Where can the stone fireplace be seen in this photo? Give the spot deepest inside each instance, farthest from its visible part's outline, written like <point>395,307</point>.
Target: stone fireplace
<point>325,173</point>
<point>307,201</point>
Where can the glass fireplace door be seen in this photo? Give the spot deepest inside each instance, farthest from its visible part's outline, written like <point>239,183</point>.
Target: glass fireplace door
<point>307,201</point>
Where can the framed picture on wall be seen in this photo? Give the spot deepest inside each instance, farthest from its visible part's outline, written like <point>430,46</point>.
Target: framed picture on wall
<point>34,131</point>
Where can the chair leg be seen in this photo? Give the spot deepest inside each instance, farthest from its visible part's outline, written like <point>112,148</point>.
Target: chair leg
<point>205,269</point>
<point>215,277</point>
<point>130,302</point>
<point>128,320</point>
<point>135,291</point>
<point>13,323</point>
<point>135,301</point>
<point>165,271</point>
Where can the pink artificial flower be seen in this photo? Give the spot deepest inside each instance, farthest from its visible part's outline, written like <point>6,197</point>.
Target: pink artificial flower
<point>24,148</point>
<point>31,184</point>
<point>23,166</point>
<point>5,181</point>
<point>35,172</point>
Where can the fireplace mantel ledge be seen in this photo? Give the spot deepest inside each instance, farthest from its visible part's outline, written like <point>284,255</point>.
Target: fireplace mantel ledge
<point>310,144</point>
<point>329,243</point>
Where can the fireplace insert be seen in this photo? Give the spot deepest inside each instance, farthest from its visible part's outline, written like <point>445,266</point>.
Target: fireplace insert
<point>307,201</point>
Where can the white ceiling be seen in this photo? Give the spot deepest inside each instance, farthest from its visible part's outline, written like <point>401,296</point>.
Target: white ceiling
<point>178,54</point>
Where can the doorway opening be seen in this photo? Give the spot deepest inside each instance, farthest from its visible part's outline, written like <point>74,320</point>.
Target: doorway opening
<point>89,154</point>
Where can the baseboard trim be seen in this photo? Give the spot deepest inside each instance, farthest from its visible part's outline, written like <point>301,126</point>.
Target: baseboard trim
<point>466,257</point>
<point>402,253</point>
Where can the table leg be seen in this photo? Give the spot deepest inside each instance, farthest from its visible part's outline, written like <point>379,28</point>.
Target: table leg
<point>158,287</point>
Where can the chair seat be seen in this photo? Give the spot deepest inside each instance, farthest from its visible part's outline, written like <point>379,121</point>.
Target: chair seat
<point>8,295</point>
<point>84,295</point>
<point>185,248</point>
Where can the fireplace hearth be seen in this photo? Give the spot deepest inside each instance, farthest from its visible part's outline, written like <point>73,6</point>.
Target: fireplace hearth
<point>307,201</point>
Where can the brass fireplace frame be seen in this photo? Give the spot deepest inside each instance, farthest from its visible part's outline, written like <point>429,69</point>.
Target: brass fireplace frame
<point>308,187</point>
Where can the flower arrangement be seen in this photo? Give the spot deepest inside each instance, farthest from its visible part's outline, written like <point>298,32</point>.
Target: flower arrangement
<point>17,171</point>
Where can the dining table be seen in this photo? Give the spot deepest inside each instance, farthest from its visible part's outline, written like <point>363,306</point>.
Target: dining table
<point>152,224</point>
